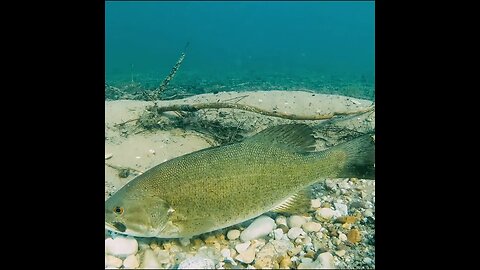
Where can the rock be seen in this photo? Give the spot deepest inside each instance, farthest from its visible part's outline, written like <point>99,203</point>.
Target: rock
<point>233,234</point>
<point>309,265</point>
<point>121,246</point>
<point>324,213</point>
<point>294,251</point>
<point>242,246</point>
<point>281,246</point>
<point>266,257</point>
<point>108,156</point>
<point>368,213</point>
<point>260,227</point>
<point>307,260</point>
<point>326,260</point>
<point>316,203</point>
<point>286,262</point>
<point>163,256</point>
<point>354,236</point>
<point>225,253</point>
<point>248,255</point>
<point>367,260</point>
<point>150,260</point>
<point>296,221</point>
<point>184,241</point>
<point>197,262</point>
<point>340,253</point>
<point>283,227</point>
<point>281,220</point>
<point>311,227</point>
<point>112,261</point>
<point>331,185</point>
<point>342,208</point>
<point>278,234</point>
<point>295,232</point>
<point>131,262</point>
<point>342,236</point>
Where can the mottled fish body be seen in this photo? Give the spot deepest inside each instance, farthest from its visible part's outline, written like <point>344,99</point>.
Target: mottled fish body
<point>221,186</point>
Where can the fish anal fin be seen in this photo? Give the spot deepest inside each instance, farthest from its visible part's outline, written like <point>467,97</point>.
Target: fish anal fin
<point>299,203</point>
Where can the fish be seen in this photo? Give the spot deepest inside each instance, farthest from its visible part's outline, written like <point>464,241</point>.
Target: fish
<point>221,186</point>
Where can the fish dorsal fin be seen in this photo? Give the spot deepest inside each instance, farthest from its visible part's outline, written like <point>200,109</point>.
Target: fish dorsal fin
<point>299,203</point>
<point>297,137</point>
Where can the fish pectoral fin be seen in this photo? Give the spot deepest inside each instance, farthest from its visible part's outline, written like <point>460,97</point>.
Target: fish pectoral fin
<point>299,203</point>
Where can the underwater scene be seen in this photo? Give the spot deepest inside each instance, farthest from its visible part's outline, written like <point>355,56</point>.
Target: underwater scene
<point>240,135</point>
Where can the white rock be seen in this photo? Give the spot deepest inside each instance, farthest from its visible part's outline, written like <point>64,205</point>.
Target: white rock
<point>197,262</point>
<point>150,260</point>
<point>260,227</point>
<point>233,234</point>
<point>342,236</point>
<point>131,262</point>
<point>163,256</point>
<point>242,246</point>
<point>108,156</point>
<point>281,220</point>
<point>295,232</point>
<point>316,203</point>
<point>325,213</point>
<point>342,208</point>
<point>112,261</point>
<point>308,265</point>
<point>121,246</point>
<point>225,253</point>
<point>344,185</point>
<point>367,260</point>
<point>326,260</point>
<point>247,256</point>
<point>184,241</point>
<point>307,260</point>
<point>368,213</point>
<point>277,234</point>
<point>282,246</point>
<point>296,221</point>
<point>311,227</point>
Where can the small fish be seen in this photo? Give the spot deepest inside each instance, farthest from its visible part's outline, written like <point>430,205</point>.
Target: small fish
<point>225,185</point>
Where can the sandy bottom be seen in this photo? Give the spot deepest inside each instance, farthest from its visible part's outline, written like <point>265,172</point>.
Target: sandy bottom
<point>127,146</point>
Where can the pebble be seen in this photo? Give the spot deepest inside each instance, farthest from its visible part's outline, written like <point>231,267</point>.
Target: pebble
<point>131,262</point>
<point>242,246</point>
<point>305,265</point>
<point>225,253</point>
<point>295,232</point>
<point>286,262</point>
<point>367,260</point>
<point>296,221</point>
<point>260,227</point>
<point>197,262</point>
<point>121,246</point>
<point>150,260</point>
<point>282,246</point>
<point>184,241</point>
<point>324,213</point>
<point>354,236</point>
<point>247,256</point>
<point>340,253</point>
<point>368,213</point>
<point>311,227</point>
<point>342,236</point>
<point>316,203</point>
<point>307,260</point>
<point>326,260</point>
<point>112,261</point>
<point>163,256</point>
<point>278,234</point>
<point>342,208</point>
<point>281,220</point>
<point>108,156</point>
<point>233,234</point>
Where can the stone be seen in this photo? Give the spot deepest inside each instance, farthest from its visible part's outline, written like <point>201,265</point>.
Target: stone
<point>367,260</point>
<point>131,262</point>
<point>354,236</point>
<point>342,236</point>
<point>368,213</point>
<point>233,234</point>
<point>260,227</point>
<point>112,261</point>
<point>326,260</point>
<point>242,246</point>
<point>163,256</point>
<point>295,232</point>
<point>225,253</point>
<point>247,256</point>
<point>278,234</point>
<point>121,246</point>
<point>311,226</point>
<point>282,246</point>
<point>342,208</point>
<point>286,262</point>
<point>149,260</point>
<point>340,253</point>
<point>184,241</point>
<point>296,221</point>
<point>281,220</point>
<point>324,213</point>
<point>308,265</point>
<point>197,262</point>
<point>315,203</point>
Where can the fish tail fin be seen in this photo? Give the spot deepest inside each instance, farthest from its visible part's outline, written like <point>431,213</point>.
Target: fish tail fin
<point>357,157</point>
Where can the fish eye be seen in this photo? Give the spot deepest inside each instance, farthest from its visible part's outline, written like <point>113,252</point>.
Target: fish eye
<point>118,210</point>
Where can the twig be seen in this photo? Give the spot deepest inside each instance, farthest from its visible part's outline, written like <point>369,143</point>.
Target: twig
<point>222,105</point>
